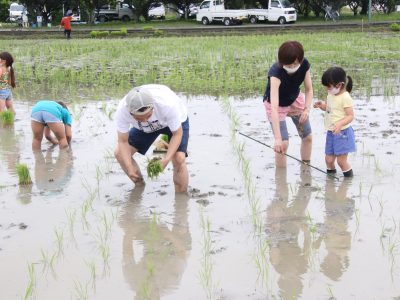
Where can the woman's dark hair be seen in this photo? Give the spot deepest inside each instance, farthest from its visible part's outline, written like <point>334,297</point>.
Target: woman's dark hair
<point>9,62</point>
<point>62,104</point>
<point>335,75</point>
<point>290,51</point>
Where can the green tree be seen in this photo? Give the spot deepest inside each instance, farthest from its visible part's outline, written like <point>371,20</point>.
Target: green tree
<point>388,6</point>
<point>4,6</point>
<point>354,6</point>
<point>44,8</point>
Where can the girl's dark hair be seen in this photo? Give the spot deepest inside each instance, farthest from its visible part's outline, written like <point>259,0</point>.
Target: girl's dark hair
<point>290,51</point>
<point>62,104</point>
<point>9,62</point>
<point>335,75</point>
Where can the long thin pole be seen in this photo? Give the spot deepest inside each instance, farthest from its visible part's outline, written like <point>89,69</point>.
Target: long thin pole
<point>288,155</point>
<point>369,10</point>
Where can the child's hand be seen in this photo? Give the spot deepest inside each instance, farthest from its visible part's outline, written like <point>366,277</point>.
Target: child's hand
<point>336,128</point>
<point>317,104</point>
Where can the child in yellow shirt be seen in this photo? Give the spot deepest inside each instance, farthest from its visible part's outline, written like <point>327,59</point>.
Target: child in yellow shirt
<point>338,107</point>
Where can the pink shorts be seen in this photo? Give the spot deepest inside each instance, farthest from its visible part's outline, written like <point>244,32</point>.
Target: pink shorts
<point>295,109</point>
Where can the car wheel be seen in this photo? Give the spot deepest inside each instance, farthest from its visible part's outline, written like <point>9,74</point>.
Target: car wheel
<point>227,22</point>
<point>253,19</point>
<point>281,20</point>
<point>125,18</point>
<point>205,21</point>
<point>102,19</point>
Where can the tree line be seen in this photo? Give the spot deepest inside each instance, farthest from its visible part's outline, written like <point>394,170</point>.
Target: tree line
<point>54,8</point>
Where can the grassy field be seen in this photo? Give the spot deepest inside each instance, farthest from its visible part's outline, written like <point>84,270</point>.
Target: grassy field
<point>172,21</point>
<point>103,69</point>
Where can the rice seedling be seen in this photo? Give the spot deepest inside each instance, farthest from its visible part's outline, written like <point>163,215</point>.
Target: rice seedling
<point>105,254</point>
<point>369,196</point>
<point>99,177</point>
<point>81,290</point>
<point>381,205</point>
<point>154,234</point>
<point>110,113</point>
<point>206,271</point>
<point>91,192</point>
<point>154,167</point>
<point>93,274</point>
<point>102,238</point>
<point>85,208</point>
<point>357,215</point>
<point>145,290</point>
<point>71,217</point>
<point>59,234</point>
<point>23,174</point>
<point>31,283</point>
<point>150,267</point>
<point>312,226</point>
<point>7,117</point>
<point>47,261</point>
<point>109,160</point>
<point>107,223</point>
<point>262,263</point>
<point>330,293</point>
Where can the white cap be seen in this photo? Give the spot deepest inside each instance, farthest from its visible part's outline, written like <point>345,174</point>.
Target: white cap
<point>137,98</point>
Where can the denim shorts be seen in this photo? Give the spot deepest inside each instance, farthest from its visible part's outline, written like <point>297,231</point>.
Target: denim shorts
<point>6,94</point>
<point>44,117</point>
<point>142,140</point>
<point>340,144</point>
<point>302,129</point>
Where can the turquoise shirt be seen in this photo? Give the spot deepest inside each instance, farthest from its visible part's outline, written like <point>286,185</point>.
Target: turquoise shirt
<point>55,109</point>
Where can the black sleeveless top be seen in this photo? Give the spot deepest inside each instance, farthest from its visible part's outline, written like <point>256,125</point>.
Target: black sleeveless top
<point>289,88</point>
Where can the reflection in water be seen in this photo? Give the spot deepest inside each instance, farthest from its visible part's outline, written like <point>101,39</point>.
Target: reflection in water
<point>51,174</point>
<point>337,238</point>
<point>9,147</point>
<point>154,256</point>
<point>285,221</point>
<point>25,193</point>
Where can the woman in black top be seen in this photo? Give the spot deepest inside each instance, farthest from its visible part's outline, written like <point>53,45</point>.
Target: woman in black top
<point>283,98</point>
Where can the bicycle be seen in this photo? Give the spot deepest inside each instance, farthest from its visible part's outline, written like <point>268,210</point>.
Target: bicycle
<point>331,14</point>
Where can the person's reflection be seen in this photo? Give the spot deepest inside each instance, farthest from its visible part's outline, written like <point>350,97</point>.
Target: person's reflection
<point>9,148</point>
<point>52,173</point>
<point>337,239</point>
<point>154,254</point>
<point>286,218</point>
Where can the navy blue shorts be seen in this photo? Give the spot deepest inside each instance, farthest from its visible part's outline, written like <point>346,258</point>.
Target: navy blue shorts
<point>142,140</point>
<point>340,144</point>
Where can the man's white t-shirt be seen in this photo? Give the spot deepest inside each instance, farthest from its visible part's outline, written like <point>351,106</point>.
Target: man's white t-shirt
<point>169,111</point>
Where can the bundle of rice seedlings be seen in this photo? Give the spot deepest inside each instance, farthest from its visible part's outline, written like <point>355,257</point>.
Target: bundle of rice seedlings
<point>7,117</point>
<point>154,167</point>
<point>23,174</point>
<point>165,138</point>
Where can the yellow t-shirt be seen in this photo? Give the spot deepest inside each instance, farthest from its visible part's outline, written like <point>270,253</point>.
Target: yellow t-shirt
<point>335,106</point>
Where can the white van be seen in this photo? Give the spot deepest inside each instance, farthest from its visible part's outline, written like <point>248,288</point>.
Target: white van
<point>15,12</point>
<point>214,10</point>
<point>156,11</point>
<point>280,11</point>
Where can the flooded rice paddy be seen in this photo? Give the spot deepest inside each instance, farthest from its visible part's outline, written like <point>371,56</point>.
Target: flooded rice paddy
<point>244,231</point>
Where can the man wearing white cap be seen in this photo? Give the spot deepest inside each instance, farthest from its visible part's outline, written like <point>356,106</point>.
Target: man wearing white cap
<point>142,115</point>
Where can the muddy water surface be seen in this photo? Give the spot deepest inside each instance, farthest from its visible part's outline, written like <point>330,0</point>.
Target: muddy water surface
<point>87,233</point>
